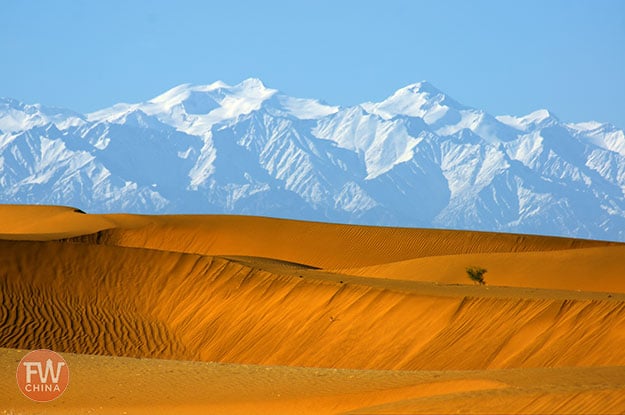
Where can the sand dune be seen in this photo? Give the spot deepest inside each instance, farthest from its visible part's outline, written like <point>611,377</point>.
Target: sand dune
<point>390,307</point>
<point>146,386</point>
<point>320,245</point>
<point>139,302</point>
<point>587,269</point>
<point>32,222</point>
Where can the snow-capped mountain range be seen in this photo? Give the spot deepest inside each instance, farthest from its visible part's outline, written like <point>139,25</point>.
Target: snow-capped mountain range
<point>418,158</point>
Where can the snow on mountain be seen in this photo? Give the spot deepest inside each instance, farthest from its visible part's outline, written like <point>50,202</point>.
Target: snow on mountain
<point>195,109</point>
<point>16,116</point>
<point>537,119</point>
<point>304,109</point>
<point>382,143</point>
<point>442,114</point>
<point>421,100</point>
<point>417,158</point>
<point>606,136</point>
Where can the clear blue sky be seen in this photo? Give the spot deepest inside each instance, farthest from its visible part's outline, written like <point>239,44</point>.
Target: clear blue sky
<point>507,57</point>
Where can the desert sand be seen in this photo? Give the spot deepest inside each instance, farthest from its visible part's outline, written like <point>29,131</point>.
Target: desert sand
<point>234,314</point>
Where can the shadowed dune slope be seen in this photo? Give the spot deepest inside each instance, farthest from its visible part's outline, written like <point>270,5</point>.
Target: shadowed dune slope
<point>137,302</point>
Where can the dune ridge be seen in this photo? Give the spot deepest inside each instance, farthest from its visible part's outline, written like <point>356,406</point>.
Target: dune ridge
<point>321,245</point>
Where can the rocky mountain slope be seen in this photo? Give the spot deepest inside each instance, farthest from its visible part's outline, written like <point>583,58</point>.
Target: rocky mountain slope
<point>418,158</point>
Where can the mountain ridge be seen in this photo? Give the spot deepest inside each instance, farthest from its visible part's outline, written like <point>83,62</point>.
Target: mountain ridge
<point>417,158</point>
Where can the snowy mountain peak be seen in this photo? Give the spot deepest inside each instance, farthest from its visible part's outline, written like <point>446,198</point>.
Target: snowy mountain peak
<point>537,119</point>
<point>540,117</point>
<point>422,87</point>
<point>194,109</point>
<point>421,100</point>
<point>174,95</point>
<point>252,83</point>
<point>252,89</point>
<point>17,116</point>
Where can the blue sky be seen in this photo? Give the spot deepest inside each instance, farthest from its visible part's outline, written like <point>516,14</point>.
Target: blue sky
<point>507,57</point>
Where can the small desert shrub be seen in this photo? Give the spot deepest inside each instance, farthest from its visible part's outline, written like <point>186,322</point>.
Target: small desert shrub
<point>476,274</point>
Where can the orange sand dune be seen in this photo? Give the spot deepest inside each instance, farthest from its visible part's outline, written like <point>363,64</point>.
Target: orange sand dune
<point>137,302</point>
<point>146,386</point>
<point>299,296</point>
<point>315,244</point>
<point>47,222</point>
<point>587,269</point>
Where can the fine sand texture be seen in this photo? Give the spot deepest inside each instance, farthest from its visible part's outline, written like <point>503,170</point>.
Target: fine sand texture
<point>234,314</point>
